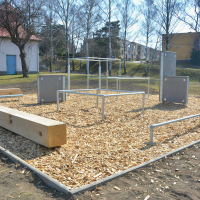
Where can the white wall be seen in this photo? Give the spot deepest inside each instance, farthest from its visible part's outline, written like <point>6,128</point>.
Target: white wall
<point>8,48</point>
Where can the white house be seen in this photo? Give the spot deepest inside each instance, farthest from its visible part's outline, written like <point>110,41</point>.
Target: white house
<point>10,61</point>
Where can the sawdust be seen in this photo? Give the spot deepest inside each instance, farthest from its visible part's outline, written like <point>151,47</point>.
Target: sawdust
<point>97,149</point>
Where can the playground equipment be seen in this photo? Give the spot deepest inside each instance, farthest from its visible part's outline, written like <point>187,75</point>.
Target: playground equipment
<point>118,79</point>
<point>172,88</point>
<point>118,93</point>
<point>47,85</point>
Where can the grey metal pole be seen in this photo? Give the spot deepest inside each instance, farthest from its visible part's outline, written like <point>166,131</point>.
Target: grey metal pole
<point>120,74</point>
<point>107,76</point>
<point>143,103</point>
<point>103,102</point>
<point>87,73</point>
<point>99,74</point>
<point>148,86</point>
<point>97,98</point>
<point>151,135</point>
<point>117,80</point>
<point>68,75</point>
<point>57,101</point>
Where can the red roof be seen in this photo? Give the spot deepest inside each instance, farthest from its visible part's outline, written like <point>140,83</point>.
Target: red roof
<point>4,33</point>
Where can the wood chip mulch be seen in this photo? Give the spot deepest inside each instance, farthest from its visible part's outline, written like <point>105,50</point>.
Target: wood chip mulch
<point>97,149</point>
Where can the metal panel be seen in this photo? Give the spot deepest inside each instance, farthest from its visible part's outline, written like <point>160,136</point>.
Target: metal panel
<point>11,64</point>
<point>175,89</point>
<point>167,68</point>
<point>48,86</point>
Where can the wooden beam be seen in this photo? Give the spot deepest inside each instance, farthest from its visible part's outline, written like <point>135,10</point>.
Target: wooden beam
<point>10,91</point>
<point>47,132</point>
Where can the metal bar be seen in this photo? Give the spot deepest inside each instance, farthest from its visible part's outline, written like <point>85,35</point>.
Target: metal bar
<point>99,74</point>
<point>143,103</point>
<point>57,100</point>
<point>107,74</point>
<point>164,123</point>
<point>38,89</point>
<point>64,95</point>
<point>97,98</point>
<point>88,73</point>
<point>103,104</point>
<point>119,75</point>
<point>11,96</point>
<point>148,86</point>
<point>68,75</point>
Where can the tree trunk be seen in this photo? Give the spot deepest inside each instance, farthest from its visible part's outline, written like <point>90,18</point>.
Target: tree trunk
<point>167,27</point>
<point>24,64</point>
<point>67,48</point>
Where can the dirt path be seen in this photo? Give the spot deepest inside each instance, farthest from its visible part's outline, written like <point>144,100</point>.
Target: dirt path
<point>176,177</point>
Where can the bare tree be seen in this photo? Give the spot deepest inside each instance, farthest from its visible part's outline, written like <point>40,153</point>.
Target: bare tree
<point>66,9</point>
<point>191,17</point>
<point>107,10</point>
<point>167,16</point>
<point>148,24</point>
<point>90,18</point>
<point>128,19</point>
<point>20,20</point>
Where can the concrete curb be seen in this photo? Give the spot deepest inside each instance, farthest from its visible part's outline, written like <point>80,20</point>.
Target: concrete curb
<point>47,179</point>
<point>62,188</point>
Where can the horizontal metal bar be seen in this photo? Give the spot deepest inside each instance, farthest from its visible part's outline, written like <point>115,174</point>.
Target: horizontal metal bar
<point>121,77</point>
<point>165,123</point>
<point>122,94</point>
<point>77,90</point>
<point>11,96</point>
<point>121,90</point>
<point>71,92</point>
<point>172,121</point>
<point>95,59</point>
<point>101,95</point>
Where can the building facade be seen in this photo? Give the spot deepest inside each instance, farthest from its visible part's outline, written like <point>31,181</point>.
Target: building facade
<point>181,43</point>
<point>135,51</point>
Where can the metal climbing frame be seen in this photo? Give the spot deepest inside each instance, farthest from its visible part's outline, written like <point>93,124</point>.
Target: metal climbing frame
<point>118,86</point>
<point>118,93</point>
<point>164,123</point>
<point>87,64</point>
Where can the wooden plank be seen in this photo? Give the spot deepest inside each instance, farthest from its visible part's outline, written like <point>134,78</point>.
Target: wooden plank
<point>10,91</point>
<point>47,132</point>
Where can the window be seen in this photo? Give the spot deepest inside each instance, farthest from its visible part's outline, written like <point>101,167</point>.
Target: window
<point>134,46</point>
<point>122,45</point>
<point>134,53</point>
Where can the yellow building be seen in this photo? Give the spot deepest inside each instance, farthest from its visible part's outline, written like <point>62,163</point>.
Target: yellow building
<point>181,43</point>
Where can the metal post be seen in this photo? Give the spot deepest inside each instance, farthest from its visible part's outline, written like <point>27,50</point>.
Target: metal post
<point>68,75</point>
<point>119,74</point>
<point>117,80</point>
<point>148,86</point>
<point>57,101</point>
<point>107,76</point>
<point>99,74</point>
<point>103,102</point>
<point>143,103</point>
<point>87,73</point>
<point>151,135</point>
<point>97,98</point>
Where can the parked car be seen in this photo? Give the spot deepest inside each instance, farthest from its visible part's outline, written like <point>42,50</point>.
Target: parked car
<point>43,68</point>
